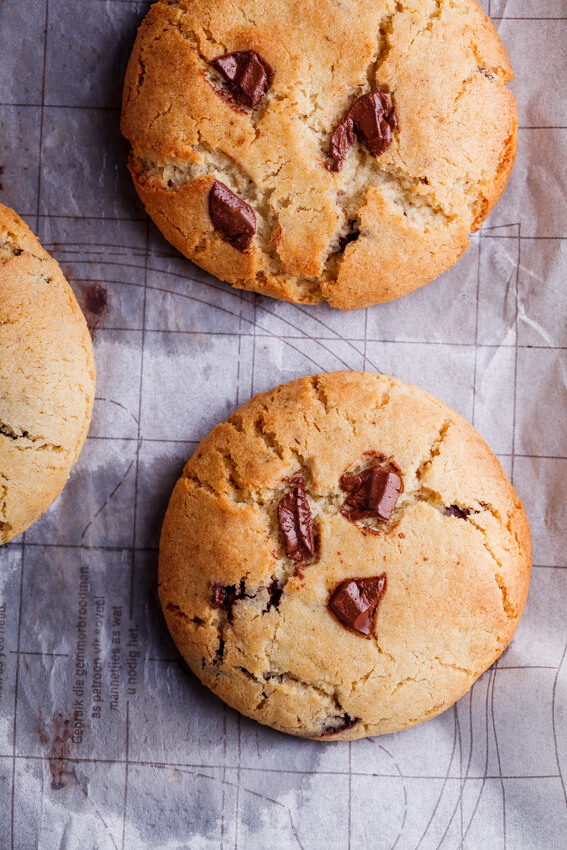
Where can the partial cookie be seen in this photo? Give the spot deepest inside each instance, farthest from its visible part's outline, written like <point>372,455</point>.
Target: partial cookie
<point>320,151</point>
<point>47,378</point>
<point>343,557</point>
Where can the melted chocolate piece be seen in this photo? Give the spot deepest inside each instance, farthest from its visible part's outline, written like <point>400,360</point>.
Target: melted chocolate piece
<point>246,73</point>
<point>370,120</point>
<point>296,524</point>
<point>345,722</point>
<point>354,602</point>
<point>225,597</point>
<point>374,492</point>
<point>233,219</point>
<point>455,510</point>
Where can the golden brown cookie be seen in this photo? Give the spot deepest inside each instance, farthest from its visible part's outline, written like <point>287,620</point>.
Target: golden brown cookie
<point>343,557</point>
<point>320,150</point>
<point>47,377</point>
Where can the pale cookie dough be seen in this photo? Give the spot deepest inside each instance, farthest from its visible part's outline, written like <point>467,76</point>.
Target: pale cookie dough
<point>374,231</point>
<point>450,563</point>
<point>47,377</point>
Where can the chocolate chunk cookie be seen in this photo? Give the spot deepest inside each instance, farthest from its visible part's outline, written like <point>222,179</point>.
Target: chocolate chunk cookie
<point>47,378</point>
<point>343,557</point>
<point>364,140</point>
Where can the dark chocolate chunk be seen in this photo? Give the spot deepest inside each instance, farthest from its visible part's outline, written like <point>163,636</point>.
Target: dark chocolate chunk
<point>269,675</point>
<point>246,73</point>
<point>296,480</point>
<point>455,510</point>
<point>374,492</point>
<point>371,119</point>
<point>275,591</point>
<point>296,524</point>
<point>351,236</point>
<point>219,653</point>
<point>354,602</point>
<point>225,596</point>
<point>232,218</point>
<point>345,722</point>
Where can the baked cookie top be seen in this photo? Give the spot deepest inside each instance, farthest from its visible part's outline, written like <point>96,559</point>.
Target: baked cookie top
<point>356,144</point>
<point>47,377</point>
<point>343,557</point>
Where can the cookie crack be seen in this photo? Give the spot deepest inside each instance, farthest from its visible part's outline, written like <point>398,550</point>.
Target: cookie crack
<point>432,712</point>
<point>160,115</point>
<point>507,604</point>
<point>450,666</point>
<point>30,441</point>
<point>319,393</point>
<point>400,684</point>
<point>435,500</point>
<point>268,436</point>
<point>504,522</point>
<point>337,719</point>
<point>434,450</point>
<point>328,408</point>
<point>177,612</point>
<point>191,36</point>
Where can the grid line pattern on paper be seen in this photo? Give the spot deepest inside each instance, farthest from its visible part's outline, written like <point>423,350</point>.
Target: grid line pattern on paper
<point>153,759</point>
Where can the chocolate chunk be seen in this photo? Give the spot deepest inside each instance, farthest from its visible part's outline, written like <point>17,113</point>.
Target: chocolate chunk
<point>225,597</point>
<point>275,591</point>
<point>296,479</point>
<point>351,236</point>
<point>219,653</point>
<point>232,218</point>
<point>345,722</point>
<point>374,492</point>
<point>246,73</point>
<point>455,510</point>
<point>296,524</point>
<point>370,120</point>
<point>354,602</point>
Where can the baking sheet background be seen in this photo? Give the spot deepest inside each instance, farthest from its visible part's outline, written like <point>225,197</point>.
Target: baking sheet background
<point>164,763</point>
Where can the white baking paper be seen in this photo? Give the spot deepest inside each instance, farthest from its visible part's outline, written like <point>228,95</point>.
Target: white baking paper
<point>106,741</point>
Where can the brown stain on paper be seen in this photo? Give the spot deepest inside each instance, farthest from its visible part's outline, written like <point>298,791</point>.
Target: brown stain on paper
<point>56,737</point>
<point>93,298</point>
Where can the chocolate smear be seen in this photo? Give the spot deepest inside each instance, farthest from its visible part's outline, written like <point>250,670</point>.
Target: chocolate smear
<point>354,602</point>
<point>233,219</point>
<point>455,510</point>
<point>296,524</point>
<point>246,73</point>
<point>373,493</point>
<point>371,120</point>
<point>226,596</point>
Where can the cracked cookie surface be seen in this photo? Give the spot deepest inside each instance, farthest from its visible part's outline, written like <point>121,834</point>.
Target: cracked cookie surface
<point>254,624</point>
<point>380,227</point>
<point>47,377</point>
